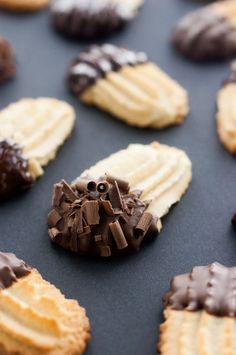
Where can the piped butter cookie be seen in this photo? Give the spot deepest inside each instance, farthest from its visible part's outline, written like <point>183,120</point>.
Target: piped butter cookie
<point>200,312</point>
<point>7,60</point>
<point>35,317</point>
<point>128,86</point>
<point>118,203</point>
<point>23,5</point>
<point>226,111</point>
<point>31,131</point>
<point>90,19</point>
<point>208,33</point>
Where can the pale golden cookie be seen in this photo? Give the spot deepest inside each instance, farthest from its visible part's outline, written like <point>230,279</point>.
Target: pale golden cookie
<point>23,5</point>
<point>162,172</point>
<point>128,86</point>
<point>35,318</point>
<point>226,112</point>
<point>31,131</point>
<point>200,311</point>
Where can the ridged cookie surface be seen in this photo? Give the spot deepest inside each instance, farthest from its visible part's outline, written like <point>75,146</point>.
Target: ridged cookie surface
<point>128,86</point>
<point>23,5</point>
<point>40,126</point>
<point>162,172</point>
<point>35,318</point>
<point>200,313</point>
<point>226,112</point>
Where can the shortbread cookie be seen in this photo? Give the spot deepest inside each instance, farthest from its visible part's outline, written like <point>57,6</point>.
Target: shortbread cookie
<point>91,19</point>
<point>200,313</point>
<point>23,5</point>
<point>115,205</point>
<point>128,86</point>
<point>100,217</point>
<point>226,112</point>
<point>208,33</point>
<point>7,60</point>
<point>35,317</point>
<point>31,131</point>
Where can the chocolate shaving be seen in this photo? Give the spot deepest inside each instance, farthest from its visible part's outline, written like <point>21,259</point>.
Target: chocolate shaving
<point>143,224</point>
<point>106,222</point>
<point>84,185</point>
<point>118,235</point>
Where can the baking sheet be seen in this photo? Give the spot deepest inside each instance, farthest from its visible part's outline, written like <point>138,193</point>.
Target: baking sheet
<point>123,297</point>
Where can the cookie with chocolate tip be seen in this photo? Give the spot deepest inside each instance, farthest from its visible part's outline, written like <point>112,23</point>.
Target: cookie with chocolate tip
<point>92,19</point>
<point>127,85</point>
<point>7,60</point>
<point>31,132</point>
<point>208,33</point>
<point>200,312</point>
<point>36,318</point>
<point>226,115</point>
<point>116,205</point>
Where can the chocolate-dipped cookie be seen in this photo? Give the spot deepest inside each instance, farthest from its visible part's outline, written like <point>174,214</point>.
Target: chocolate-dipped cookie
<point>7,60</point>
<point>121,207</point>
<point>127,85</point>
<point>200,312</point>
<point>91,19</point>
<point>208,33</point>
<point>226,115</point>
<point>36,318</point>
<point>31,132</point>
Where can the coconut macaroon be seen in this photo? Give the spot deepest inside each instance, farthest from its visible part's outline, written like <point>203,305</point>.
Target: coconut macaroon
<point>125,84</point>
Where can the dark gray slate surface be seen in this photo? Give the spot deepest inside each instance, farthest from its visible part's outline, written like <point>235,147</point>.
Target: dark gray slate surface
<point>123,297</point>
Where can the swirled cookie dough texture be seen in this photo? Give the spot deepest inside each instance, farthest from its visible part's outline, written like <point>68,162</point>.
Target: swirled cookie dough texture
<point>91,19</point>
<point>226,111</point>
<point>35,129</point>
<point>162,172</point>
<point>23,5</point>
<point>208,33</point>
<point>200,313</point>
<point>35,318</point>
<point>128,86</point>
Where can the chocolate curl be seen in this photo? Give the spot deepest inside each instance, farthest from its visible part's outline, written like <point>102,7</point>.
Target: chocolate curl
<point>143,225</point>
<point>105,251</point>
<point>84,185</point>
<point>57,194</point>
<point>79,221</point>
<point>91,212</point>
<point>115,197</point>
<point>53,218</point>
<point>122,184</point>
<point>118,235</point>
<point>69,193</point>
<point>103,187</point>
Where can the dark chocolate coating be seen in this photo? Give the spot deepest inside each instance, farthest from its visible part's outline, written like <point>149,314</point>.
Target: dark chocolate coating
<point>83,20</point>
<point>14,173</point>
<point>204,35</point>
<point>96,62</point>
<point>108,223</point>
<point>7,60</point>
<point>210,288</point>
<point>11,269</point>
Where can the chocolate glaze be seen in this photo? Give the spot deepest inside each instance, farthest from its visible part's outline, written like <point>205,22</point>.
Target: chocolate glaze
<point>7,60</point>
<point>86,19</point>
<point>11,269</point>
<point>211,288</point>
<point>14,173</point>
<point>96,62</point>
<point>203,34</point>
<point>106,221</point>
